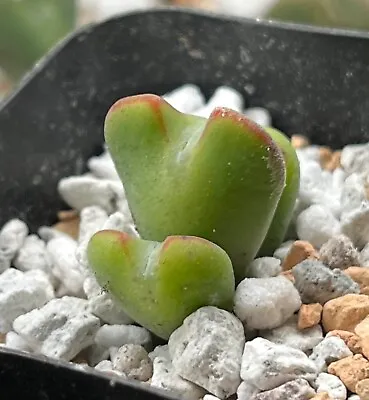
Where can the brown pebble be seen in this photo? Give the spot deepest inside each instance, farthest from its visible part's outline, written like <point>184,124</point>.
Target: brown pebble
<point>362,329</point>
<point>81,358</point>
<point>353,341</point>
<point>67,215</point>
<point>70,227</point>
<point>299,251</point>
<point>325,156</point>
<point>335,161</point>
<point>321,396</point>
<point>2,337</point>
<point>345,312</point>
<point>361,276</point>
<point>309,315</point>
<point>288,275</point>
<point>362,389</point>
<point>299,141</point>
<point>350,370</point>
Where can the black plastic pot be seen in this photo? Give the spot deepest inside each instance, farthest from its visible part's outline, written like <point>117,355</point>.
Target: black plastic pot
<point>313,81</point>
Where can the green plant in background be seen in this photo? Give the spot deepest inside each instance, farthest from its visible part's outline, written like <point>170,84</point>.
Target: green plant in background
<point>160,284</point>
<point>29,28</point>
<point>331,13</point>
<point>223,179</point>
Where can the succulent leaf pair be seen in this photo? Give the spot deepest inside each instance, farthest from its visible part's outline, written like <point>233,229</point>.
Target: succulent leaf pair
<point>215,192</point>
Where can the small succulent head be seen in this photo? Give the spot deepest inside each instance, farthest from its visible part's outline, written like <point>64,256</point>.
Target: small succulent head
<point>224,179</point>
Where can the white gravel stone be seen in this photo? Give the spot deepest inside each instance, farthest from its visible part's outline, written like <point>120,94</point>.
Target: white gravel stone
<point>330,349</point>
<point>332,385</point>
<point>353,193</point>
<point>103,167</point>
<point>268,365</point>
<point>33,255</point>
<point>165,377</point>
<point>210,397</point>
<point>16,342</point>
<point>317,187</point>
<point>119,335</point>
<point>223,96</point>
<point>134,362</point>
<point>12,236</point>
<point>289,335</point>
<point>266,303</point>
<point>47,233</point>
<point>92,220</point>
<point>354,397</point>
<point>60,329</point>
<point>206,350</point>
<point>264,267</point>
<point>104,365</point>
<point>62,253</point>
<point>186,98</point>
<point>102,304</point>
<point>317,225</point>
<point>246,391</point>
<point>355,158</point>
<point>283,250</point>
<point>96,354</point>
<point>355,225</point>
<point>84,191</point>
<point>259,115</point>
<point>160,351</point>
<point>21,292</point>
<point>298,389</point>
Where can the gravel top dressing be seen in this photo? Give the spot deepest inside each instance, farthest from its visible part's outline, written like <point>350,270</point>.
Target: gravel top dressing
<point>300,322</point>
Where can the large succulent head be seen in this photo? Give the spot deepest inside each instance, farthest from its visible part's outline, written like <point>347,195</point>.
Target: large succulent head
<point>222,179</point>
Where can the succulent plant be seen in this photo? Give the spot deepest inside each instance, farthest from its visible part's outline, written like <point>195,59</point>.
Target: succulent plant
<point>160,284</point>
<point>283,214</point>
<point>220,179</point>
<point>224,183</point>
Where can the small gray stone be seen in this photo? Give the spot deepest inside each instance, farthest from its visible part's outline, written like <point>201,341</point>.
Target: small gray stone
<point>267,365</point>
<point>298,389</point>
<point>289,335</point>
<point>364,256</point>
<point>207,350</point>
<point>355,225</point>
<point>339,252</point>
<point>317,283</point>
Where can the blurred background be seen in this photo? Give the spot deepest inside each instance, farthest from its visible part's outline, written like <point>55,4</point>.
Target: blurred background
<point>29,28</point>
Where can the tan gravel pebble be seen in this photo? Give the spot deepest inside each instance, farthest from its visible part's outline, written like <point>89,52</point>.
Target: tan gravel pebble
<point>325,156</point>
<point>362,389</point>
<point>299,141</point>
<point>361,276</point>
<point>350,370</point>
<point>309,315</point>
<point>70,227</point>
<point>353,341</point>
<point>67,215</point>
<point>2,337</point>
<point>334,161</point>
<point>345,312</point>
<point>299,251</point>
<point>362,329</point>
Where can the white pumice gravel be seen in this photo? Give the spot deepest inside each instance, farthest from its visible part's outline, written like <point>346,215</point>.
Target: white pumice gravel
<point>317,283</point>
<point>264,267</point>
<point>60,329</point>
<point>317,225</point>
<point>331,348</point>
<point>298,389</point>
<point>268,365</point>
<point>62,252</point>
<point>51,303</point>
<point>12,236</point>
<point>134,361</point>
<point>206,350</point>
<point>119,335</point>
<point>332,385</point>
<point>289,335</point>
<point>165,377</point>
<point>21,292</point>
<point>266,303</point>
